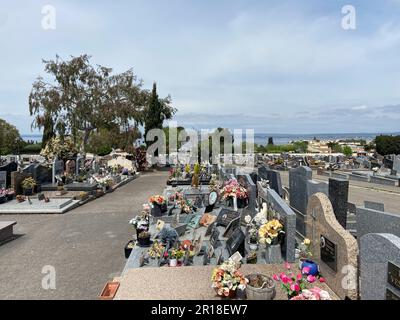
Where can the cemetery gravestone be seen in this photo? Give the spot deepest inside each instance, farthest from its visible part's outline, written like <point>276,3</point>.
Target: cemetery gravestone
<point>251,189</point>
<point>288,218</point>
<point>9,168</point>
<point>373,221</point>
<point>333,247</point>
<point>16,180</point>
<point>3,179</point>
<point>380,267</point>
<point>298,196</point>
<point>274,178</point>
<point>396,163</point>
<point>338,195</point>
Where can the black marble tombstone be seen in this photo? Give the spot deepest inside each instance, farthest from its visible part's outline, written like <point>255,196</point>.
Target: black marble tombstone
<point>339,194</point>
<point>236,242</point>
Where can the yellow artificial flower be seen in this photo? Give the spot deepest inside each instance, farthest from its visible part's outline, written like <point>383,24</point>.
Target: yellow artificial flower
<point>307,241</point>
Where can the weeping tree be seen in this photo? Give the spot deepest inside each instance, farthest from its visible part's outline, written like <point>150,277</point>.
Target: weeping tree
<point>80,99</point>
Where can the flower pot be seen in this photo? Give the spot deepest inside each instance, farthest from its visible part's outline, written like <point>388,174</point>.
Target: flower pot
<point>109,291</point>
<point>128,249</point>
<point>28,191</point>
<point>173,262</point>
<point>273,254</point>
<point>241,203</point>
<point>268,292</point>
<point>156,210</point>
<point>10,196</point>
<point>144,242</point>
<point>314,268</point>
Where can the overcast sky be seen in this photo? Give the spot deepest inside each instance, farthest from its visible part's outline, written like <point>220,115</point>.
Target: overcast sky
<point>274,66</point>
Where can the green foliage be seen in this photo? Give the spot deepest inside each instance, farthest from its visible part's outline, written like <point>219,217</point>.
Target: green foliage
<point>386,144</point>
<point>10,140</point>
<point>335,147</point>
<point>32,148</point>
<point>347,151</point>
<point>82,98</point>
<point>157,110</point>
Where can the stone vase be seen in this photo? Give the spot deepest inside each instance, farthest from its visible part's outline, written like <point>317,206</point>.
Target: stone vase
<point>156,210</point>
<point>273,254</point>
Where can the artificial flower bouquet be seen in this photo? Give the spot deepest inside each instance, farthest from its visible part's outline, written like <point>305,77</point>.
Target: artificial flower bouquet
<point>156,250</point>
<point>226,279</point>
<point>270,231</point>
<point>296,284</point>
<point>184,205</point>
<point>305,250</point>
<point>157,200</point>
<point>175,253</point>
<point>313,294</point>
<point>232,188</point>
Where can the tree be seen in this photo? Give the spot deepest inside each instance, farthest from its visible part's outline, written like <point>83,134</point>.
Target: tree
<point>10,139</point>
<point>387,144</point>
<point>157,110</point>
<point>347,151</point>
<point>82,98</point>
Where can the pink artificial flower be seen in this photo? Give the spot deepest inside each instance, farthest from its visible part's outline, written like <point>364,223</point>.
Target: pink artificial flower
<point>298,297</point>
<point>275,277</point>
<point>287,265</point>
<point>311,278</point>
<point>306,270</point>
<point>299,276</point>
<point>285,279</point>
<point>295,287</point>
<point>322,280</point>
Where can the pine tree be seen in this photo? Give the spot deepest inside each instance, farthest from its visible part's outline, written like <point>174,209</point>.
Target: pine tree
<point>154,116</point>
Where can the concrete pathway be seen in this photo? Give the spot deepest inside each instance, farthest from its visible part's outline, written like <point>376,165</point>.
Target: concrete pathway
<point>85,245</point>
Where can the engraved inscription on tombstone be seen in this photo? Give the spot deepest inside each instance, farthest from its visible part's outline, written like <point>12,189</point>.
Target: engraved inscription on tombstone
<point>328,253</point>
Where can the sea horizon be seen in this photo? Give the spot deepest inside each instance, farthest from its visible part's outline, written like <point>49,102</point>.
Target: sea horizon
<point>281,138</point>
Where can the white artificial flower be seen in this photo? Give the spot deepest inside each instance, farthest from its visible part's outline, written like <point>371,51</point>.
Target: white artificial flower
<point>247,219</point>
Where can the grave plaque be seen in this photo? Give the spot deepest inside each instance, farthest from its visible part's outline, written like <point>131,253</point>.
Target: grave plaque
<point>390,295</point>
<point>236,242</point>
<point>328,253</point>
<point>226,216</point>
<point>214,239</point>
<point>393,275</point>
<point>210,229</point>
<point>232,226</point>
<point>194,222</point>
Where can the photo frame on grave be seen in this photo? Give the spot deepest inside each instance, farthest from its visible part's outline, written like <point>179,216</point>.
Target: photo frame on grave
<point>210,229</point>
<point>236,242</point>
<point>226,216</point>
<point>214,238</point>
<point>235,223</point>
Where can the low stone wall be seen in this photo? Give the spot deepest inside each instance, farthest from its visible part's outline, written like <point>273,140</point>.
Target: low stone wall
<point>358,177</point>
<point>384,181</point>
